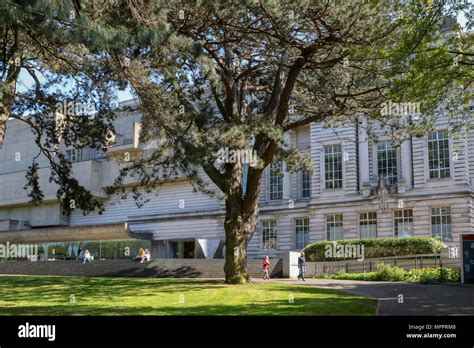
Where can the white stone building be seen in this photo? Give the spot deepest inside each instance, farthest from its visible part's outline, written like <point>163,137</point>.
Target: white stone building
<point>428,191</point>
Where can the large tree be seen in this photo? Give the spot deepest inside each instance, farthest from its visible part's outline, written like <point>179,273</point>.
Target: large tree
<point>211,75</point>
<point>52,79</point>
<point>241,74</point>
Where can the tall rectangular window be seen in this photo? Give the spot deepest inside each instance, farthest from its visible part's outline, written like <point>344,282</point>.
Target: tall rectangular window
<point>438,155</point>
<point>368,225</point>
<point>334,227</point>
<point>441,223</point>
<point>403,223</point>
<point>276,181</point>
<point>269,235</point>
<point>333,166</point>
<point>305,184</point>
<point>387,161</point>
<point>302,233</point>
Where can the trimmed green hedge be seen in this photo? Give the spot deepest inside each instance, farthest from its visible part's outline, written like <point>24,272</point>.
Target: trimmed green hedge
<point>375,247</point>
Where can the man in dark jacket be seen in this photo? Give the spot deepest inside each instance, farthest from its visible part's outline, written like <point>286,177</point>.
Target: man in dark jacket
<point>301,266</point>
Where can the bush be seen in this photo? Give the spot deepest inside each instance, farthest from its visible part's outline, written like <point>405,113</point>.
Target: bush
<point>387,272</point>
<point>369,276</point>
<point>434,275</point>
<point>393,273</point>
<point>376,247</point>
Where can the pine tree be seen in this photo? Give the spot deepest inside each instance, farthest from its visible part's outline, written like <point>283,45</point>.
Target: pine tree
<point>48,43</point>
<point>240,75</point>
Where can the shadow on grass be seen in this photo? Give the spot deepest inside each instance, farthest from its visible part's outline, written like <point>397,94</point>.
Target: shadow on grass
<point>19,288</point>
<point>108,296</point>
<point>156,272</point>
<point>306,307</point>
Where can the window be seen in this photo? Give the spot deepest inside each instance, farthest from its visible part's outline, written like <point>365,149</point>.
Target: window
<point>276,181</point>
<point>334,229</point>
<point>85,154</point>
<point>333,166</point>
<point>305,184</point>
<point>438,155</point>
<point>368,225</point>
<point>74,155</point>
<point>403,223</point>
<point>269,235</point>
<point>387,161</point>
<point>302,233</point>
<point>441,223</point>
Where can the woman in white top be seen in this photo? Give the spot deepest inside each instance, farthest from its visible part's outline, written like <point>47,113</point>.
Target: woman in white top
<point>87,256</point>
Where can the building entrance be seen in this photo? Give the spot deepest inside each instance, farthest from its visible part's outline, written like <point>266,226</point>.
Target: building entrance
<point>184,249</point>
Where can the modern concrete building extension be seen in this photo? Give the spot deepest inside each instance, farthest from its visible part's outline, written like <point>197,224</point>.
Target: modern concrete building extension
<point>427,190</point>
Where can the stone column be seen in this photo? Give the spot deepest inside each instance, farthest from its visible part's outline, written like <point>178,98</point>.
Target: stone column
<point>286,173</point>
<point>364,176</point>
<point>406,166</point>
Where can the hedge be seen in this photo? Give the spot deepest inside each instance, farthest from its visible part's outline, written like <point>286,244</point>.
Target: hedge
<point>373,248</point>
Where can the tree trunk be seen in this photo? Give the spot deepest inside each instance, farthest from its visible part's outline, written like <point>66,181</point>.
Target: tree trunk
<point>7,96</point>
<point>3,124</point>
<point>239,227</point>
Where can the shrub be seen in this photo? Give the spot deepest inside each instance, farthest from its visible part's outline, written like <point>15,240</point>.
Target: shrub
<point>433,275</point>
<point>369,276</point>
<point>393,273</point>
<point>377,247</point>
<point>387,272</point>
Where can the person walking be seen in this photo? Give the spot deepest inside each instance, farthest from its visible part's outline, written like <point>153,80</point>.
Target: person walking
<point>266,266</point>
<point>301,266</point>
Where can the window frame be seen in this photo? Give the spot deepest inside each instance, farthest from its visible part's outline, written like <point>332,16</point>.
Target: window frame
<point>396,233</point>
<point>304,232</point>
<point>301,186</point>
<point>270,192</point>
<point>368,219</point>
<point>275,229</point>
<point>74,153</point>
<point>334,222</point>
<point>324,181</point>
<point>440,215</point>
<point>396,158</point>
<point>427,161</point>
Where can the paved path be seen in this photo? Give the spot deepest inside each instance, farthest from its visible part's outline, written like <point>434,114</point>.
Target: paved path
<point>418,299</point>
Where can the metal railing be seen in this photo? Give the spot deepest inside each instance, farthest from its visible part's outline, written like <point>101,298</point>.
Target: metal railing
<point>370,265</point>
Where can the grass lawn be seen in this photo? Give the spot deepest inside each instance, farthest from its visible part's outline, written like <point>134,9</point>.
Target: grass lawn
<point>47,295</point>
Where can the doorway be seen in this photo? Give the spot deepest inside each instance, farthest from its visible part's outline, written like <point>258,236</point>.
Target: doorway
<point>184,249</point>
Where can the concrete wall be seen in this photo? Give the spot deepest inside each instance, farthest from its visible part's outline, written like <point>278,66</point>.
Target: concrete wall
<point>160,268</point>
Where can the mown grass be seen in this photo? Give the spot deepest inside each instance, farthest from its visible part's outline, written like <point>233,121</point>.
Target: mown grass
<point>49,295</point>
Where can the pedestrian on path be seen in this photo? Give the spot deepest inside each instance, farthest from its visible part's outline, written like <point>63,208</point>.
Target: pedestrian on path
<point>301,266</point>
<point>266,266</point>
